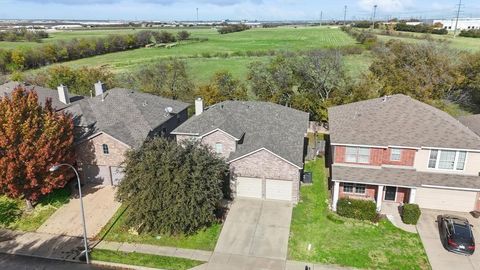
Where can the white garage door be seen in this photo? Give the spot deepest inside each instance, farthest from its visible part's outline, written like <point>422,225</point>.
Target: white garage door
<point>117,175</point>
<point>446,199</point>
<point>249,187</point>
<point>278,190</point>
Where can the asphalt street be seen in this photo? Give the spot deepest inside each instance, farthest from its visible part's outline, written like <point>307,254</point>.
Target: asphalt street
<point>16,262</point>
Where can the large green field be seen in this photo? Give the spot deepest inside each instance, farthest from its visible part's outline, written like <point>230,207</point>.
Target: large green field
<point>198,55</point>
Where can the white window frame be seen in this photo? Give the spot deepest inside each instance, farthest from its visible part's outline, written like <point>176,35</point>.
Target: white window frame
<point>399,154</point>
<point>437,161</point>
<point>354,189</point>
<point>357,154</point>
<point>219,146</point>
<point>105,147</point>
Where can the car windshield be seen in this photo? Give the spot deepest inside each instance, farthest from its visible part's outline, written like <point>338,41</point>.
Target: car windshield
<point>462,230</point>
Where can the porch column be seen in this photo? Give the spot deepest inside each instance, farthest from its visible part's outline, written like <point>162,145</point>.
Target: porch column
<point>411,198</point>
<point>379,198</point>
<point>336,192</point>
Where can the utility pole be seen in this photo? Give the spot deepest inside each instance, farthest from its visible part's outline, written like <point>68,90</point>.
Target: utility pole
<point>321,17</point>
<point>456,21</point>
<point>197,15</point>
<point>373,17</point>
<point>345,16</point>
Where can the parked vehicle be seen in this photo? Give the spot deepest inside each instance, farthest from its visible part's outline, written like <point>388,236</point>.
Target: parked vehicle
<point>456,234</point>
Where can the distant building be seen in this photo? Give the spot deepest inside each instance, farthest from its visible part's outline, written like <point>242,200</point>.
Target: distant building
<point>463,23</point>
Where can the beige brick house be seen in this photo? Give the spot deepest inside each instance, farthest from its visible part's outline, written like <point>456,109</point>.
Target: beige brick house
<point>115,121</point>
<point>264,144</point>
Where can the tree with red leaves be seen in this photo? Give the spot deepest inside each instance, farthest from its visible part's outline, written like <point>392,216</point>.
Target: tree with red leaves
<point>32,139</point>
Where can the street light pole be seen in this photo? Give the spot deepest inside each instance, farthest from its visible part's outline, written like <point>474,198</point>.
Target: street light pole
<point>56,167</point>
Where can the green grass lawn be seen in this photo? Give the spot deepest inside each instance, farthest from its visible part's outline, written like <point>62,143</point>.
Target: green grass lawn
<point>14,216</point>
<point>117,231</point>
<point>140,259</point>
<point>347,242</point>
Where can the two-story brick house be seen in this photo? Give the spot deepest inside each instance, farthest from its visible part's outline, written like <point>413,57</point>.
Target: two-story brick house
<point>112,122</point>
<point>262,142</point>
<point>398,149</point>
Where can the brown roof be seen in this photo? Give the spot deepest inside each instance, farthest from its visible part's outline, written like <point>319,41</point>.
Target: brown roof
<point>403,177</point>
<point>398,121</point>
<point>472,122</point>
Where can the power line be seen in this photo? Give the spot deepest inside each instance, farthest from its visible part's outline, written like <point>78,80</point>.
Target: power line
<point>456,21</point>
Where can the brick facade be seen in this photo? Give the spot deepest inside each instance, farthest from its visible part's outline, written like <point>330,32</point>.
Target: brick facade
<point>378,156</point>
<point>228,143</point>
<point>91,151</point>
<point>266,165</point>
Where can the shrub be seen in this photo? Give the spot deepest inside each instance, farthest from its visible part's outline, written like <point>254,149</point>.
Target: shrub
<point>475,33</point>
<point>233,28</point>
<point>9,211</point>
<point>410,213</point>
<point>358,209</point>
<point>183,35</point>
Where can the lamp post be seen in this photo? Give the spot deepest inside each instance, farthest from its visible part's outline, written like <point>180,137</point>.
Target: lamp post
<point>55,168</point>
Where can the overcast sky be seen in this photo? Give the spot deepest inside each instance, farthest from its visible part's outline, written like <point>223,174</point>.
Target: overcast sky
<point>230,9</point>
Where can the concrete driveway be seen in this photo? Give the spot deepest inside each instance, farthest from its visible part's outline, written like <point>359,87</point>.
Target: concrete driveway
<point>99,204</point>
<point>254,236</point>
<point>439,258</point>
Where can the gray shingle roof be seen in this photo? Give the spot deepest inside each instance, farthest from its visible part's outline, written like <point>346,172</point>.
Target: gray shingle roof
<point>261,124</point>
<point>42,92</point>
<point>472,122</point>
<point>398,121</point>
<point>403,177</point>
<point>127,115</point>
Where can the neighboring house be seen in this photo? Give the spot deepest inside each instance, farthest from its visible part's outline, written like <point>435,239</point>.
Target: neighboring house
<point>60,97</point>
<point>112,122</point>
<point>264,144</point>
<point>398,149</point>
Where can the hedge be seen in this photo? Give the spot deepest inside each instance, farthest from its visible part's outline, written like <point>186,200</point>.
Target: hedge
<point>410,213</point>
<point>358,209</point>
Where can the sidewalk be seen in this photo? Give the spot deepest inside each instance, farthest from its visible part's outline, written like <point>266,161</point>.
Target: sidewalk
<point>192,254</point>
<point>40,245</point>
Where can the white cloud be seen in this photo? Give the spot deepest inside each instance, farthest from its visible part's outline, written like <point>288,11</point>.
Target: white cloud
<point>386,5</point>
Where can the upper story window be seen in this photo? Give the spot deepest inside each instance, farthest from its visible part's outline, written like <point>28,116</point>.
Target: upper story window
<point>219,148</point>
<point>395,154</point>
<point>357,154</point>
<point>105,149</point>
<point>447,160</point>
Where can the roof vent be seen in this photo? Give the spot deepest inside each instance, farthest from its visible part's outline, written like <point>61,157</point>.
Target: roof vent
<point>168,111</point>
<point>385,98</point>
<point>144,103</point>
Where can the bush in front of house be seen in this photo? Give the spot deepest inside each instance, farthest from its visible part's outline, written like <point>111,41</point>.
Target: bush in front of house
<point>410,213</point>
<point>358,209</point>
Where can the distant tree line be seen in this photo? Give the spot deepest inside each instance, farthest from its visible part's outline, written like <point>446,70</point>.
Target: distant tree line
<point>474,33</point>
<point>233,28</point>
<point>61,51</point>
<point>22,34</point>
<point>420,28</point>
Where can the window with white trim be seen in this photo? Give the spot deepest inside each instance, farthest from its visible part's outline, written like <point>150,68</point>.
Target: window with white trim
<point>447,160</point>
<point>395,154</point>
<point>219,148</point>
<point>105,149</point>
<point>357,154</point>
<point>354,188</point>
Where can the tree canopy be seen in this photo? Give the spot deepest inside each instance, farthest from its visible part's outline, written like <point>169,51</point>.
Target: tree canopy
<point>32,139</point>
<point>223,86</point>
<point>171,188</point>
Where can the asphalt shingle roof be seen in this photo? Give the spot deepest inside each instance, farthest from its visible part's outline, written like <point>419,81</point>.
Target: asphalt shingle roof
<point>403,177</point>
<point>472,122</point>
<point>259,124</point>
<point>42,92</point>
<point>398,121</point>
<point>127,115</point>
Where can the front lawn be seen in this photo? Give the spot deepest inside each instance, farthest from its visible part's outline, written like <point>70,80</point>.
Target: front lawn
<point>140,259</point>
<point>116,230</point>
<point>13,214</point>
<point>347,242</point>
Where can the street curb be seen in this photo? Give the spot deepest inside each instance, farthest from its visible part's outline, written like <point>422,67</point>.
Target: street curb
<point>41,257</point>
<point>123,266</point>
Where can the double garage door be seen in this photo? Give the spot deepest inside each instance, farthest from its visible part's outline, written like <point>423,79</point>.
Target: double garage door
<point>446,199</point>
<point>270,189</point>
<point>103,175</point>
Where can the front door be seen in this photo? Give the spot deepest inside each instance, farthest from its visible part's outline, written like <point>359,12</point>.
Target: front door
<point>390,193</point>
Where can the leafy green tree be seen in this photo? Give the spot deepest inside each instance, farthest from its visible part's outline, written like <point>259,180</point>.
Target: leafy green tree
<point>222,87</point>
<point>170,188</point>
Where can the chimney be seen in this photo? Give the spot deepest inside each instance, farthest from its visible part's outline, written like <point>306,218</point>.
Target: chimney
<point>63,94</point>
<point>99,88</point>
<point>198,106</point>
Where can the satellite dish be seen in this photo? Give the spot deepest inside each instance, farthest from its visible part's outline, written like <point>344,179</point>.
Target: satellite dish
<point>168,109</point>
